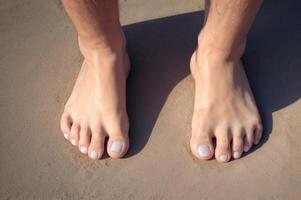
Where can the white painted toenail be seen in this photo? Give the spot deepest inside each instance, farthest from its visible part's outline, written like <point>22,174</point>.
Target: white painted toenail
<point>224,158</point>
<point>93,155</point>
<point>256,142</point>
<point>116,147</point>
<point>246,149</point>
<point>73,142</point>
<point>66,136</point>
<point>84,150</point>
<point>236,155</point>
<point>203,150</point>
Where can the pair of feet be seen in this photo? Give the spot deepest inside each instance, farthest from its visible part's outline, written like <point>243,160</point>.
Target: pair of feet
<point>224,105</point>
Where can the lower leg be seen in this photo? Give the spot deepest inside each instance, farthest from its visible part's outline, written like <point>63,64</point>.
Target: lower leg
<point>227,24</point>
<point>97,22</point>
<point>96,108</point>
<point>224,104</point>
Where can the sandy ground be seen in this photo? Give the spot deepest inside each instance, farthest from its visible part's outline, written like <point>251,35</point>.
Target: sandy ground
<point>39,61</point>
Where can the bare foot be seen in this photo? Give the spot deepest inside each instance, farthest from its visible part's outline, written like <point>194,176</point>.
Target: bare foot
<point>224,105</point>
<point>96,108</point>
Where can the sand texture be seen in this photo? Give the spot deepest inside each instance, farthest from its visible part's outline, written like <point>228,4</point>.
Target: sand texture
<point>39,61</point>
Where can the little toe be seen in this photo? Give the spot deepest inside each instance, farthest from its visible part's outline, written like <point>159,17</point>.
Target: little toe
<point>74,134</point>
<point>96,147</point>
<point>248,140</point>
<point>84,139</point>
<point>222,150</point>
<point>258,134</point>
<point>237,147</point>
<point>202,147</point>
<point>66,123</point>
<point>117,146</point>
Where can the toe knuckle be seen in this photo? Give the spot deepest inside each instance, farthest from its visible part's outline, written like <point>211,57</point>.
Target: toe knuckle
<point>223,141</point>
<point>257,120</point>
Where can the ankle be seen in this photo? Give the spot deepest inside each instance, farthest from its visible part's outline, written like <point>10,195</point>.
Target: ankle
<point>115,43</point>
<point>109,55</point>
<point>211,56</point>
<point>217,48</point>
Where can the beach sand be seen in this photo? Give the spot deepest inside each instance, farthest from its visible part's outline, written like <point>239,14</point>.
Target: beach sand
<point>39,61</point>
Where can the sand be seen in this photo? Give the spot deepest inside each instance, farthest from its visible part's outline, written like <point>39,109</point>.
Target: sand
<point>39,61</point>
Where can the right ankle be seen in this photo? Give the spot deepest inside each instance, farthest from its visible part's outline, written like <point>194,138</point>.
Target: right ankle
<point>105,44</point>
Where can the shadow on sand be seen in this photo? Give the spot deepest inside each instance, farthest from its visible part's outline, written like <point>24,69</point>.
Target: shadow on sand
<point>160,51</point>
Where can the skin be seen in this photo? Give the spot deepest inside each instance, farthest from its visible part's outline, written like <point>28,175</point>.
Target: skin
<point>96,108</point>
<point>224,105</point>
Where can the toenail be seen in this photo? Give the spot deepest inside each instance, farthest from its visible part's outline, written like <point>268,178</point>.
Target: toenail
<point>246,149</point>
<point>116,147</point>
<point>84,150</point>
<point>66,136</point>
<point>73,142</point>
<point>224,158</point>
<point>203,150</point>
<point>256,142</point>
<point>236,154</point>
<point>93,155</point>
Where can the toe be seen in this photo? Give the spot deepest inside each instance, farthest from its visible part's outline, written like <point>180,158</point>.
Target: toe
<point>96,147</point>
<point>258,134</point>
<point>202,147</point>
<point>222,151</point>
<point>84,139</point>
<point>66,123</point>
<point>248,140</point>
<point>237,146</point>
<point>118,145</point>
<point>74,134</point>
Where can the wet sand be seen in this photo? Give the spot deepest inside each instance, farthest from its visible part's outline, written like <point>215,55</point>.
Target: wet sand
<point>39,62</point>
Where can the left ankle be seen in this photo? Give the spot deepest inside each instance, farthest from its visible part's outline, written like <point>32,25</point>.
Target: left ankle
<point>217,47</point>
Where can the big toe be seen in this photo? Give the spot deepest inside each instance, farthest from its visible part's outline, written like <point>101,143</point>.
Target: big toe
<point>201,147</point>
<point>222,151</point>
<point>117,145</point>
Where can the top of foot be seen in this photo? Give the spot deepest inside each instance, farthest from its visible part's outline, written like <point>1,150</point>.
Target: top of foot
<point>224,108</point>
<point>96,109</point>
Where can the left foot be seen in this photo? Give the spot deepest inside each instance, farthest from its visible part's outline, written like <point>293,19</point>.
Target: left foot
<point>224,105</point>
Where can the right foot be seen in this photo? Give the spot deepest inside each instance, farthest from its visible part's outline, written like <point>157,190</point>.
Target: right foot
<point>96,108</point>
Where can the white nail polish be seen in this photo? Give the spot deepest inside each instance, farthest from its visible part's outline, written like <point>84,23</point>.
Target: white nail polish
<point>66,136</point>
<point>73,142</point>
<point>203,150</point>
<point>246,148</point>
<point>256,142</point>
<point>236,155</point>
<point>224,158</point>
<point>93,155</point>
<point>84,150</point>
<point>116,147</point>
